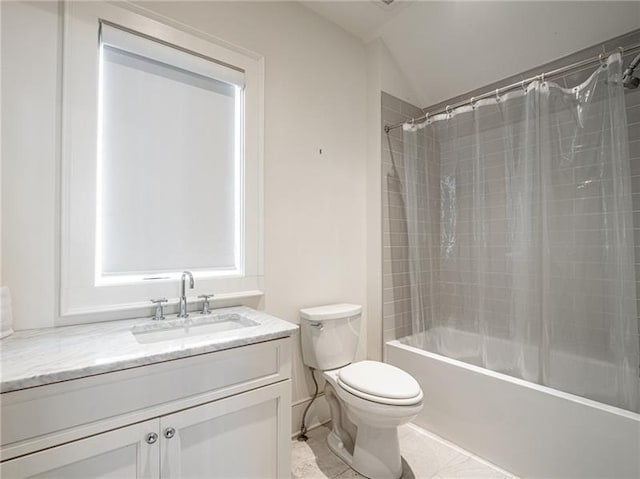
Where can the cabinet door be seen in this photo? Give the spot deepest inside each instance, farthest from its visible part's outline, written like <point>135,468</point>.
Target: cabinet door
<point>121,453</point>
<point>243,436</point>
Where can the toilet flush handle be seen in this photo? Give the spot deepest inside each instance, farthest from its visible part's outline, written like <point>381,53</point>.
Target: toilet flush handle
<point>318,326</point>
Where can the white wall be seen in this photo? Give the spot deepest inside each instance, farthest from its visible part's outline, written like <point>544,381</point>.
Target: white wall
<point>0,151</point>
<point>393,80</point>
<point>374,203</point>
<point>449,48</point>
<point>383,74</point>
<point>30,133</point>
<point>315,100</point>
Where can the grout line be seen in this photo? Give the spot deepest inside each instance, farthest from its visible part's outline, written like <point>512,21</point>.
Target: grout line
<point>460,450</point>
<point>341,473</point>
<point>450,461</point>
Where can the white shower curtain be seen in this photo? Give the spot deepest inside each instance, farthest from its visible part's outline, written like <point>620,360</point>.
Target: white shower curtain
<point>521,258</point>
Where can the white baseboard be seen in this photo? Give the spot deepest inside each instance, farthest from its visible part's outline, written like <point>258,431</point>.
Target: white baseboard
<point>318,413</point>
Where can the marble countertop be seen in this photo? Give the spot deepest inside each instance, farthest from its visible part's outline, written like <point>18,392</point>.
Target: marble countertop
<point>44,356</point>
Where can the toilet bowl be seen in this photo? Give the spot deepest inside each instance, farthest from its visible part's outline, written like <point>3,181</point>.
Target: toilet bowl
<point>376,452</point>
<point>368,399</point>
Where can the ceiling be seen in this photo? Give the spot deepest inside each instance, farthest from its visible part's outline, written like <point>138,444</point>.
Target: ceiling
<point>448,48</point>
<point>361,18</point>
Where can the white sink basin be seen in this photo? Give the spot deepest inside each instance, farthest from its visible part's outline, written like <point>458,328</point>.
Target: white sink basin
<point>195,325</point>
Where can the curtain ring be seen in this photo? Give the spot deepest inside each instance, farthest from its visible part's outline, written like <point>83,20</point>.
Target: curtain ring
<point>448,111</point>
<point>524,89</point>
<point>542,78</point>
<point>621,50</point>
<point>426,118</point>
<point>497,94</point>
<point>472,102</point>
<point>601,59</point>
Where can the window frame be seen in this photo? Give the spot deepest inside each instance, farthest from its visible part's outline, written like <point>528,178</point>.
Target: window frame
<point>113,37</point>
<point>83,298</point>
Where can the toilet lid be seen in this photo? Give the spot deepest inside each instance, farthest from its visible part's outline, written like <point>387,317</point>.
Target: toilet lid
<point>380,382</point>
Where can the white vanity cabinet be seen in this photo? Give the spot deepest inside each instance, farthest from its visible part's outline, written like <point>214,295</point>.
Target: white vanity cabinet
<point>218,415</point>
<point>118,454</point>
<point>240,437</point>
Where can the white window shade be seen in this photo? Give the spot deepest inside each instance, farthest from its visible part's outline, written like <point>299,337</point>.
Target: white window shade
<point>170,161</point>
<point>155,50</point>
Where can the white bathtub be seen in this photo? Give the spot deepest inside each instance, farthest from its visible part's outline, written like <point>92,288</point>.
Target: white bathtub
<point>525,428</point>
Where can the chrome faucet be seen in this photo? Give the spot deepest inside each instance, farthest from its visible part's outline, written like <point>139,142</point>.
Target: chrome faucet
<point>183,298</point>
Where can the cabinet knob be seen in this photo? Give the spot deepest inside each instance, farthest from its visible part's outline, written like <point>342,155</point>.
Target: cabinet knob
<point>151,438</point>
<point>169,432</point>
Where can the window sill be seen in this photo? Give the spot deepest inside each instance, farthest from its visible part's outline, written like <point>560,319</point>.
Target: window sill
<point>249,298</point>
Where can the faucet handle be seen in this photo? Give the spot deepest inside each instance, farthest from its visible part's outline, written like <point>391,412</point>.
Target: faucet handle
<point>205,303</point>
<point>159,308</point>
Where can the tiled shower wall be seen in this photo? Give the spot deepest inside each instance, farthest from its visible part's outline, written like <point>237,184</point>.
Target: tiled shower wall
<point>396,308</point>
<point>632,100</point>
<point>396,297</point>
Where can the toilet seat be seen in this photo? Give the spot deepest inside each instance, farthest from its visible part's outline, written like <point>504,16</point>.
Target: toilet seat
<point>381,383</point>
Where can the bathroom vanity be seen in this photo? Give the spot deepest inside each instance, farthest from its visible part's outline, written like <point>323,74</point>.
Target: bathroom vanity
<point>140,398</point>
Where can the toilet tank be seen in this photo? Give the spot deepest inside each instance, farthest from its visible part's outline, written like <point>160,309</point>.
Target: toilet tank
<point>330,335</point>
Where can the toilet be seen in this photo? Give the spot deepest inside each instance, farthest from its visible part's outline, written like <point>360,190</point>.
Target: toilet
<point>368,399</point>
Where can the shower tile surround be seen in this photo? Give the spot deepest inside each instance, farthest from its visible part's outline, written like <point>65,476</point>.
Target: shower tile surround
<point>396,294</point>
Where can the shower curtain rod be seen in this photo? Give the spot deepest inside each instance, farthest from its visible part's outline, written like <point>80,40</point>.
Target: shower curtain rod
<point>513,86</point>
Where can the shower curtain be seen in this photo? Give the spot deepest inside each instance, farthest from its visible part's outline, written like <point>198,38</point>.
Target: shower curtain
<point>520,237</point>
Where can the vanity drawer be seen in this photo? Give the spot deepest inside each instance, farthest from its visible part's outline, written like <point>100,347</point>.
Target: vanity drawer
<point>43,416</point>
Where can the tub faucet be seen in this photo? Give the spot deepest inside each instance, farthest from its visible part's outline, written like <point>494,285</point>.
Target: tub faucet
<point>183,298</point>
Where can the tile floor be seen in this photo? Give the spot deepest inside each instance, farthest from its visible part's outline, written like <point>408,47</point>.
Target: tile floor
<point>425,456</point>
